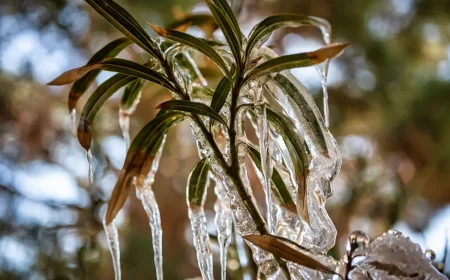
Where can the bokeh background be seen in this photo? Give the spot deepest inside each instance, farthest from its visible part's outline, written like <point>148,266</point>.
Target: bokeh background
<point>389,106</point>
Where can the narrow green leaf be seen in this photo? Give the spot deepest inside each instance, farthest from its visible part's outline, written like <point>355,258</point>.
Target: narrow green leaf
<point>125,23</point>
<point>80,86</point>
<point>196,186</point>
<point>288,250</point>
<point>311,122</point>
<point>296,149</point>
<point>95,102</point>
<point>123,66</point>
<point>192,107</point>
<point>227,28</point>
<point>213,43</point>
<point>221,94</point>
<point>139,159</point>
<point>202,92</point>
<point>194,43</point>
<point>291,61</point>
<point>263,30</point>
<point>231,19</point>
<point>279,188</point>
<point>131,93</point>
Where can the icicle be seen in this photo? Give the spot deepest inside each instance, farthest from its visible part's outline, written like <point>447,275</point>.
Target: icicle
<point>124,119</point>
<point>265,261</point>
<point>124,123</point>
<point>147,197</point>
<point>113,243</point>
<point>242,255</point>
<point>263,135</point>
<point>223,222</point>
<point>73,121</point>
<point>151,208</point>
<point>326,35</point>
<point>201,241</point>
<point>90,171</point>
<point>323,72</point>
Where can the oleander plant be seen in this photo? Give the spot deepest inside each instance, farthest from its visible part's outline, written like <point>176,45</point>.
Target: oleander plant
<point>295,155</point>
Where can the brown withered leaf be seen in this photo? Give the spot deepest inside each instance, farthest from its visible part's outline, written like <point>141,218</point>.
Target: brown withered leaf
<point>327,52</point>
<point>132,168</point>
<point>302,198</point>
<point>285,249</point>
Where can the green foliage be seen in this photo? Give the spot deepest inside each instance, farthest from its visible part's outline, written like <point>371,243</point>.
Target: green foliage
<point>140,156</point>
<point>196,186</point>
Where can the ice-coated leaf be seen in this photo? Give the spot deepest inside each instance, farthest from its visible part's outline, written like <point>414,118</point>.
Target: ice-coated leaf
<point>263,30</point>
<point>131,93</point>
<point>194,43</point>
<point>313,123</point>
<point>197,181</point>
<point>226,10</point>
<point>95,102</point>
<point>221,94</point>
<point>288,250</point>
<point>139,159</point>
<point>192,107</point>
<point>278,186</point>
<point>299,158</point>
<point>233,38</point>
<point>80,86</point>
<point>125,23</point>
<point>123,66</point>
<point>291,61</point>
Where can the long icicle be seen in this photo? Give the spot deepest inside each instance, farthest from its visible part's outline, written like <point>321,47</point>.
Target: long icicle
<point>243,257</point>
<point>73,121</point>
<point>195,198</point>
<point>124,119</point>
<point>201,241</point>
<point>265,261</point>
<point>323,72</point>
<point>266,161</point>
<point>90,171</point>
<point>223,221</point>
<point>147,197</point>
<point>113,243</point>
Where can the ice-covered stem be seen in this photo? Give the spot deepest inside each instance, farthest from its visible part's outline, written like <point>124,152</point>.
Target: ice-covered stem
<point>234,169</point>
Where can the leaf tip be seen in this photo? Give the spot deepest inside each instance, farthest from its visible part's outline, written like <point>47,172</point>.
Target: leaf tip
<point>159,30</point>
<point>84,134</point>
<point>328,52</point>
<point>58,81</point>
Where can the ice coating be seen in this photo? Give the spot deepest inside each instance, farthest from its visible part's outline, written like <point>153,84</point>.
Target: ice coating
<point>201,241</point>
<point>224,222</point>
<point>308,120</point>
<point>266,161</point>
<point>90,171</point>
<point>265,261</point>
<point>243,258</point>
<point>325,162</point>
<point>112,237</point>
<point>151,208</point>
<point>73,121</point>
<point>245,225</point>
<point>394,256</point>
<point>124,119</point>
<point>145,194</point>
<point>323,72</point>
